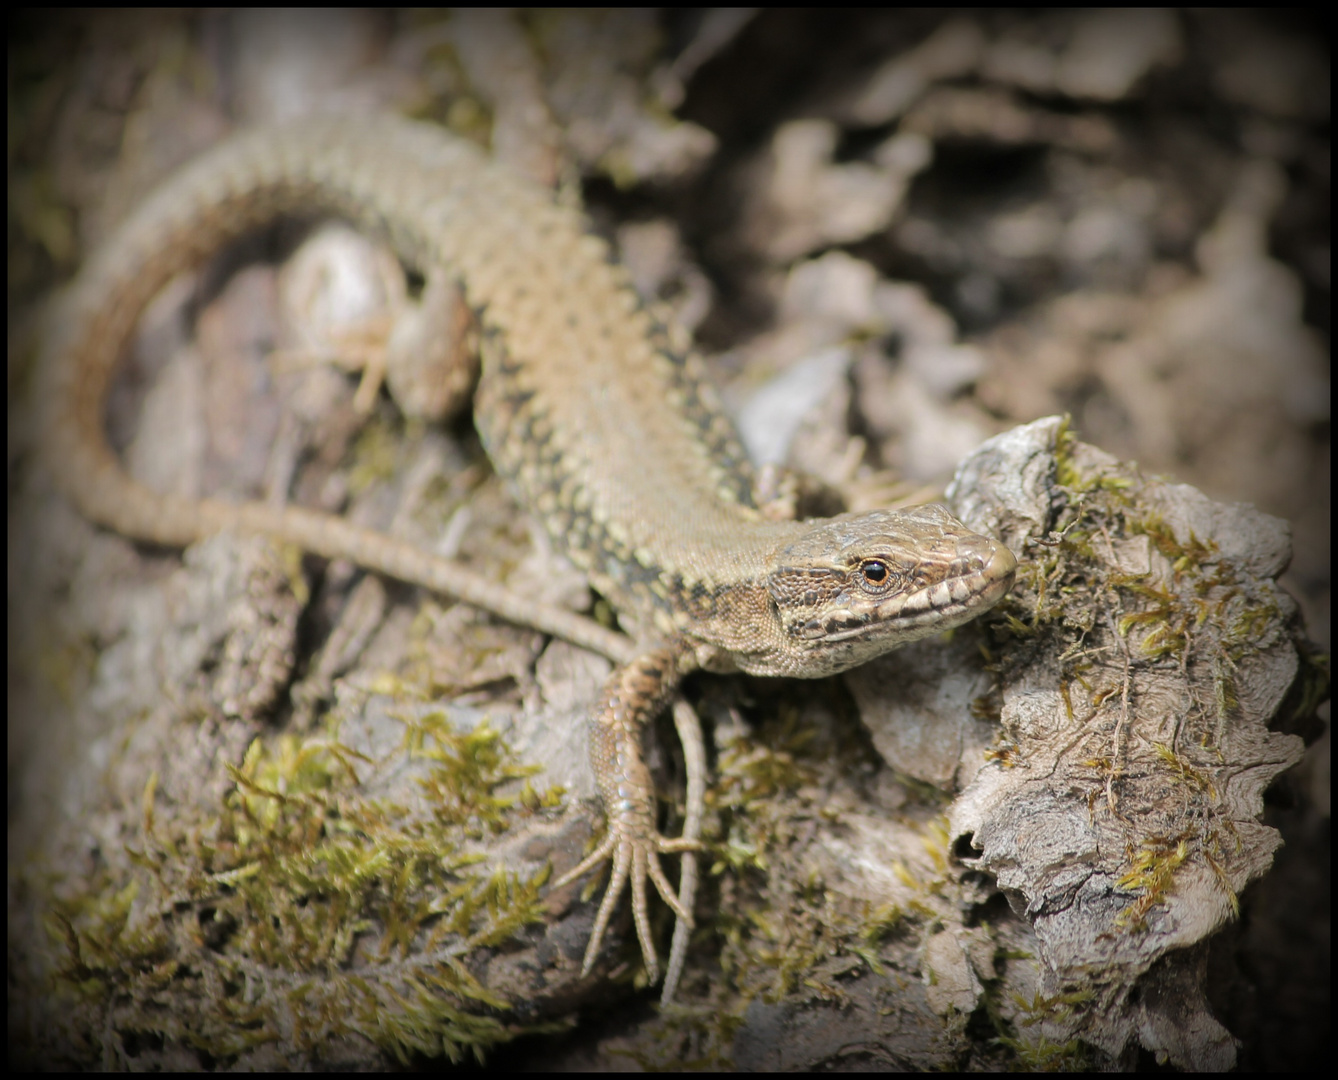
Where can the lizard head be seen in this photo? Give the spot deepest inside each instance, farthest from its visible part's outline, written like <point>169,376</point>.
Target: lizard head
<point>856,586</point>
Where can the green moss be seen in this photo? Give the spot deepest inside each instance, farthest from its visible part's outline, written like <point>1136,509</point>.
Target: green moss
<point>1152,871</point>
<point>1309,690</point>
<point>779,934</point>
<point>1029,1051</point>
<point>377,452</point>
<point>1046,1056</point>
<point>1196,779</point>
<point>1054,1007</point>
<point>1193,617</point>
<point>304,911</point>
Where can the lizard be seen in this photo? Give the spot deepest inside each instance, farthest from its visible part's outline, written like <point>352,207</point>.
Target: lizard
<point>591,403</point>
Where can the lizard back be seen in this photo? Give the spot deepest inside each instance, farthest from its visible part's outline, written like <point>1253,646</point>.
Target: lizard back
<point>594,409</point>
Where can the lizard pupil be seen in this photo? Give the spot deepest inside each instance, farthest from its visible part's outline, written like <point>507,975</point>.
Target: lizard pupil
<point>875,572</point>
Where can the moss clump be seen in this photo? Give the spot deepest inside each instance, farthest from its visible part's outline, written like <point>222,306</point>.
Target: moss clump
<point>306,916</point>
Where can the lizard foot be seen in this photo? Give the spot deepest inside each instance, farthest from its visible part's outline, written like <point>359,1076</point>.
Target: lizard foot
<point>632,696</point>
<point>636,855</point>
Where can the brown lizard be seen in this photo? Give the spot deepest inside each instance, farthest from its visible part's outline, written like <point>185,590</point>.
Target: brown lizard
<point>590,402</point>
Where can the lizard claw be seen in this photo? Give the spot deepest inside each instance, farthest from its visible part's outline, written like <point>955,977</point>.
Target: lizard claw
<point>631,697</point>
<point>636,856</point>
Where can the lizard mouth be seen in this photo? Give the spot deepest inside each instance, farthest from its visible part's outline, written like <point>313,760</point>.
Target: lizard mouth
<point>931,609</point>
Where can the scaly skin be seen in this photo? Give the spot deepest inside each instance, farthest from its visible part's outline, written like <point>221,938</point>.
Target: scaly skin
<point>590,403</point>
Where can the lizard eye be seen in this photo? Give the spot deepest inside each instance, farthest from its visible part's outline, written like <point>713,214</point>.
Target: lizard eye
<point>875,573</point>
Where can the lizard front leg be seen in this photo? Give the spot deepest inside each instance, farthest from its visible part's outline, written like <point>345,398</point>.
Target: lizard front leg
<point>633,695</point>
